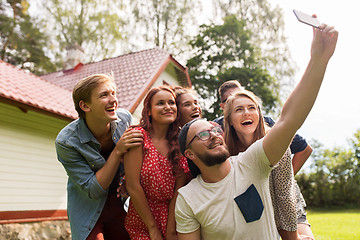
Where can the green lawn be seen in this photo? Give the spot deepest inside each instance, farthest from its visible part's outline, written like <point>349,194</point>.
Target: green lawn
<point>338,224</point>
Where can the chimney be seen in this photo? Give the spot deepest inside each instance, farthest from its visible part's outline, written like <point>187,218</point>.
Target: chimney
<point>74,56</point>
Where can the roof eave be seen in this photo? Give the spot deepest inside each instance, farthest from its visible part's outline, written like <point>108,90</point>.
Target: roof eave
<point>30,107</point>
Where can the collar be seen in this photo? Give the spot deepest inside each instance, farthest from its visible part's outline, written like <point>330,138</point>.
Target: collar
<point>85,135</point>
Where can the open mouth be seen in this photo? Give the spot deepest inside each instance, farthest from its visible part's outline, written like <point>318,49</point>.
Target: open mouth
<point>247,122</point>
<point>195,115</point>
<point>215,144</point>
<point>110,109</point>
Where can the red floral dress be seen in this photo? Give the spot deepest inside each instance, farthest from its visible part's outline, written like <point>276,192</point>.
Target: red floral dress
<point>158,183</point>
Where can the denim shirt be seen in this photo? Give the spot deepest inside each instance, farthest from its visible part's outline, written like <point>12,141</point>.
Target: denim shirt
<point>79,152</point>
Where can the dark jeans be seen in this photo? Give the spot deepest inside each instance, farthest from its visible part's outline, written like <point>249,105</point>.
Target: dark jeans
<point>111,223</point>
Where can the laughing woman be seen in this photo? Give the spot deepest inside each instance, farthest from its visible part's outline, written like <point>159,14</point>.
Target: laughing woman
<point>155,170</point>
<point>187,104</point>
<point>244,125</point>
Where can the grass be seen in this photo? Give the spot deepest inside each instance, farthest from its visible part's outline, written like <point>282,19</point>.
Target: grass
<point>335,224</point>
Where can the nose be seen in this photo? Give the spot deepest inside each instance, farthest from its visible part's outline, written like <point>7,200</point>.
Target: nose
<point>246,111</point>
<point>113,98</point>
<point>212,135</point>
<point>167,106</point>
<point>195,106</point>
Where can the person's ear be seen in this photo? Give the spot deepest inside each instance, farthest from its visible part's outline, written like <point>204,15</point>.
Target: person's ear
<point>222,106</point>
<point>190,154</point>
<point>84,106</point>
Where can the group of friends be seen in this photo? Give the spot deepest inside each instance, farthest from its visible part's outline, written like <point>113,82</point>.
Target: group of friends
<point>189,178</point>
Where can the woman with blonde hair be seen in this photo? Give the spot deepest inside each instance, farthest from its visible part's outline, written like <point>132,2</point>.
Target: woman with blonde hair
<point>244,124</point>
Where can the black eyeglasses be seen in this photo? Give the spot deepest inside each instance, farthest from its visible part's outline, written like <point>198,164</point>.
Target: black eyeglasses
<point>206,134</point>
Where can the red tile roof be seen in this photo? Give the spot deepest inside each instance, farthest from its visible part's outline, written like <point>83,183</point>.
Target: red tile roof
<point>134,73</point>
<point>31,92</point>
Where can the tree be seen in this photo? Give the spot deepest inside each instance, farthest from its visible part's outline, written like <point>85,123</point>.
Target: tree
<point>334,178</point>
<point>167,24</point>
<point>96,26</point>
<point>267,26</point>
<point>224,52</point>
<point>22,43</point>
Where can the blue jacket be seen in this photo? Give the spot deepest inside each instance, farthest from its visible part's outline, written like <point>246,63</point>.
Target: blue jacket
<point>79,153</point>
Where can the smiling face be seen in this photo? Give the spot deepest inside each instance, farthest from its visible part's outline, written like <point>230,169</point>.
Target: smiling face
<point>212,151</point>
<point>244,116</point>
<point>189,108</point>
<point>103,103</point>
<point>163,108</point>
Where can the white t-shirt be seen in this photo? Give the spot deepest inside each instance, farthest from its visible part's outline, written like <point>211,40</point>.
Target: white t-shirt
<point>212,208</point>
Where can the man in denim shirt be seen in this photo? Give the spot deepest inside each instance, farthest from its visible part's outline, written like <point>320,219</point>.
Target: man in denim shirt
<point>91,149</point>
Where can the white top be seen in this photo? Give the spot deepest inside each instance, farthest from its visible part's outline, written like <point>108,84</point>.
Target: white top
<point>211,206</point>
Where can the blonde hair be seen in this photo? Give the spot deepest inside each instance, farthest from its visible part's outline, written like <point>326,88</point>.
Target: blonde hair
<point>231,139</point>
<point>83,89</point>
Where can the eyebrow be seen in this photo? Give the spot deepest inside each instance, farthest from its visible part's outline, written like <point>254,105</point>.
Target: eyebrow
<point>189,101</point>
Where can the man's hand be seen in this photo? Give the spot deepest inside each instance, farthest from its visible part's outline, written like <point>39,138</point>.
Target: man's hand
<point>130,138</point>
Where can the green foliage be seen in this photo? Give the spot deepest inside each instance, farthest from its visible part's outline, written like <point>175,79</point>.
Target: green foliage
<point>22,43</point>
<point>165,23</point>
<point>334,178</point>
<point>94,25</point>
<point>224,52</point>
<point>267,27</point>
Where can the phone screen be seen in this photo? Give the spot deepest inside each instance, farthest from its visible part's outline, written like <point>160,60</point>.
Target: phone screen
<point>307,19</point>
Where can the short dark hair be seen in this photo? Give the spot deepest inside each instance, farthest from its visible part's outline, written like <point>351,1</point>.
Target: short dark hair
<point>228,85</point>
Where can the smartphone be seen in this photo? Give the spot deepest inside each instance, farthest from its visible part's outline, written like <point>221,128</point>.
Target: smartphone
<point>307,19</point>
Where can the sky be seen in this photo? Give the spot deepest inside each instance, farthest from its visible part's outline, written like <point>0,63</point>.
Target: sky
<point>335,116</point>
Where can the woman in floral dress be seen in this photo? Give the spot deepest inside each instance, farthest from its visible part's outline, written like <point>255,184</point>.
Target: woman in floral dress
<point>155,170</point>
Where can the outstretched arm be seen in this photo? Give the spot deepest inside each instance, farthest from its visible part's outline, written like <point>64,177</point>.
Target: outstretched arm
<point>301,100</point>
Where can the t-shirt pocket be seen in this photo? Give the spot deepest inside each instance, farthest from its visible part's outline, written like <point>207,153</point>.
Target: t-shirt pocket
<point>250,204</point>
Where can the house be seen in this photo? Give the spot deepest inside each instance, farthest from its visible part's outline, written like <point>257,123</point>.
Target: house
<point>33,109</point>
<point>134,73</point>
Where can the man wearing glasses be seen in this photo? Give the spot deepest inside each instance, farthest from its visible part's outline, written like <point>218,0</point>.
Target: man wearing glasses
<point>230,199</point>
<point>205,208</point>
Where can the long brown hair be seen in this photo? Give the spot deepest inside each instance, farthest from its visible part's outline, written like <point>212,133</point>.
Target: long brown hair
<point>173,131</point>
<point>231,139</point>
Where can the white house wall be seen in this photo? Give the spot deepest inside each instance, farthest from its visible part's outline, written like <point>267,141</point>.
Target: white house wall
<point>31,178</point>
<point>168,76</point>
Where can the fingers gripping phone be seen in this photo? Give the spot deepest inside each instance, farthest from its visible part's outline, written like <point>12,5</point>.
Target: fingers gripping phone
<point>307,19</point>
